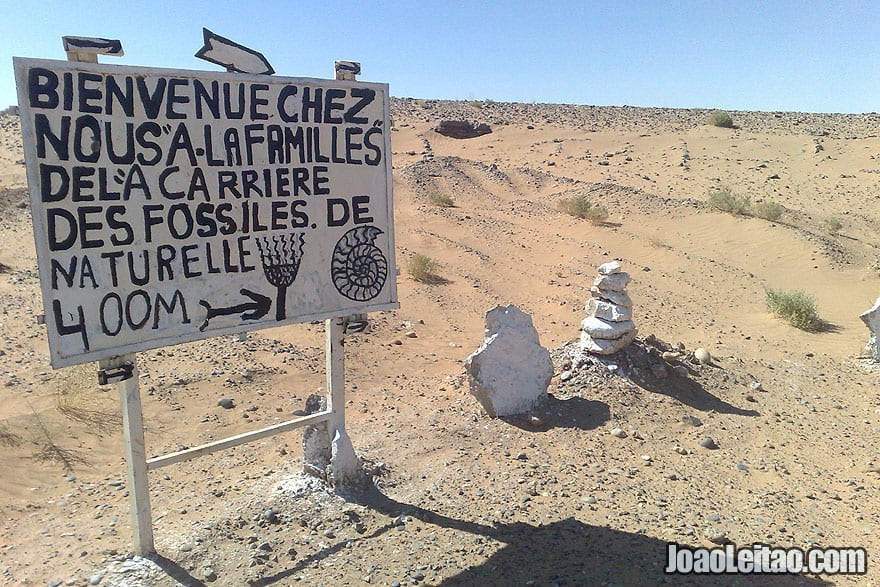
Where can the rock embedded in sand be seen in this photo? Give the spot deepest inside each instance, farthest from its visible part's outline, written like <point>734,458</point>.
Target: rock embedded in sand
<point>709,443</point>
<point>510,372</point>
<point>461,129</point>
<point>608,326</point>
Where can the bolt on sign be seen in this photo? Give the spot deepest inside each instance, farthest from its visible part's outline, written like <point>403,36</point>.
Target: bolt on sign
<point>171,206</point>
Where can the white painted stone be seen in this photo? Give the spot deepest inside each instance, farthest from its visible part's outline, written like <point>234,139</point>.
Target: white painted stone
<point>345,467</point>
<point>598,328</point>
<point>871,318</point>
<point>510,371</point>
<point>603,346</point>
<point>609,268</point>
<point>613,282</point>
<point>608,310</point>
<point>621,298</point>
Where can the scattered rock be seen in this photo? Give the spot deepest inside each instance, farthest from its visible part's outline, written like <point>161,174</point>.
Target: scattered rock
<point>226,402</point>
<point>703,356</point>
<point>715,536</point>
<point>709,443</point>
<point>618,432</point>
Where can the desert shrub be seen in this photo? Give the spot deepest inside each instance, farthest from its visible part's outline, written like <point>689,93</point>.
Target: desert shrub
<point>768,210</point>
<point>441,200</point>
<point>720,118</point>
<point>7,436</point>
<point>726,201</point>
<point>656,241</point>
<point>581,207</point>
<point>79,398</point>
<point>833,225</point>
<point>597,214</point>
<point>796,308</point>
<point>422,268</point>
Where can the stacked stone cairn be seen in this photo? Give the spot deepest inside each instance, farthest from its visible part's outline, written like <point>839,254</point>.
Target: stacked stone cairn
<point>608,326</point>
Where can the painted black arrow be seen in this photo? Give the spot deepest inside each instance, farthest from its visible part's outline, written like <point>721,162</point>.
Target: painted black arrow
<point>232,56</point>
<point>254,310</point>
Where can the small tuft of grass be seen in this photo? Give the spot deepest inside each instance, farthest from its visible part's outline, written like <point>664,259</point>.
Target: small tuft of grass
<point>720,118</point>
<point>81,399</point>
<point>726,201</point>
<point>49,450</point>
<point>441,200</point>
<point>8,438</point>
<point>768,210</point>
<point>796,308</point>
<point>656,241</point>
<point>422,268</point>
<point>833,225</point>
<point>580,207</point>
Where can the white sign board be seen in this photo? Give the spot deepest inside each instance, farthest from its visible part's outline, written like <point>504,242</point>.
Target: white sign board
<point>171,206</point>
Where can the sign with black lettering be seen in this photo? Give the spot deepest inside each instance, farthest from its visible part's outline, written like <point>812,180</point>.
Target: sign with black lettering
<point>170,206</point>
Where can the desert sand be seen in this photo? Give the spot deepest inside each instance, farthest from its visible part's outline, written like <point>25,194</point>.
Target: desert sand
<point>460,498</point>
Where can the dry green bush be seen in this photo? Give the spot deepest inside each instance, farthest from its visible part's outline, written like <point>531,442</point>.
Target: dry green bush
<point>726,201</point>
<point>8,438</point>
<point>49,450</point>
<point>796,308</point>
<point>833,225</point>
<point>768,210</point>
<point>720,118</point>
<point>422,268</point>
<point>441,200</point>
<point>580,207</point>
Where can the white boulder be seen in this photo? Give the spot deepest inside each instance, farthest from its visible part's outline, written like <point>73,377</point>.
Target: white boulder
<point>871,318</point>
<point>510,372</point>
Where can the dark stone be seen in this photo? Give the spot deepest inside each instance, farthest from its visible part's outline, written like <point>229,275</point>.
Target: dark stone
<point>462,129</point>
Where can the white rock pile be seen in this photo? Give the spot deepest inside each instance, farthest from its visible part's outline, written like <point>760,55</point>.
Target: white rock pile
<point>608,326</point>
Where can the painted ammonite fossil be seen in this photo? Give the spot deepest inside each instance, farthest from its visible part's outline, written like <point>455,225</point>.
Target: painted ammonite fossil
<point>359,268</point>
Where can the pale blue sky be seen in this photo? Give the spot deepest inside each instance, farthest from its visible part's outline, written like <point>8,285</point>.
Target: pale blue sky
<point>816,56</point>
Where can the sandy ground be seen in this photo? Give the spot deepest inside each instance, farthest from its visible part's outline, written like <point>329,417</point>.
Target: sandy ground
<point>460,498</point>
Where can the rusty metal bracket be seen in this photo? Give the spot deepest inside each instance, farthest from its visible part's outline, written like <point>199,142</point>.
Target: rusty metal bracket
<point>356,323</point>
<point>115,374</point>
